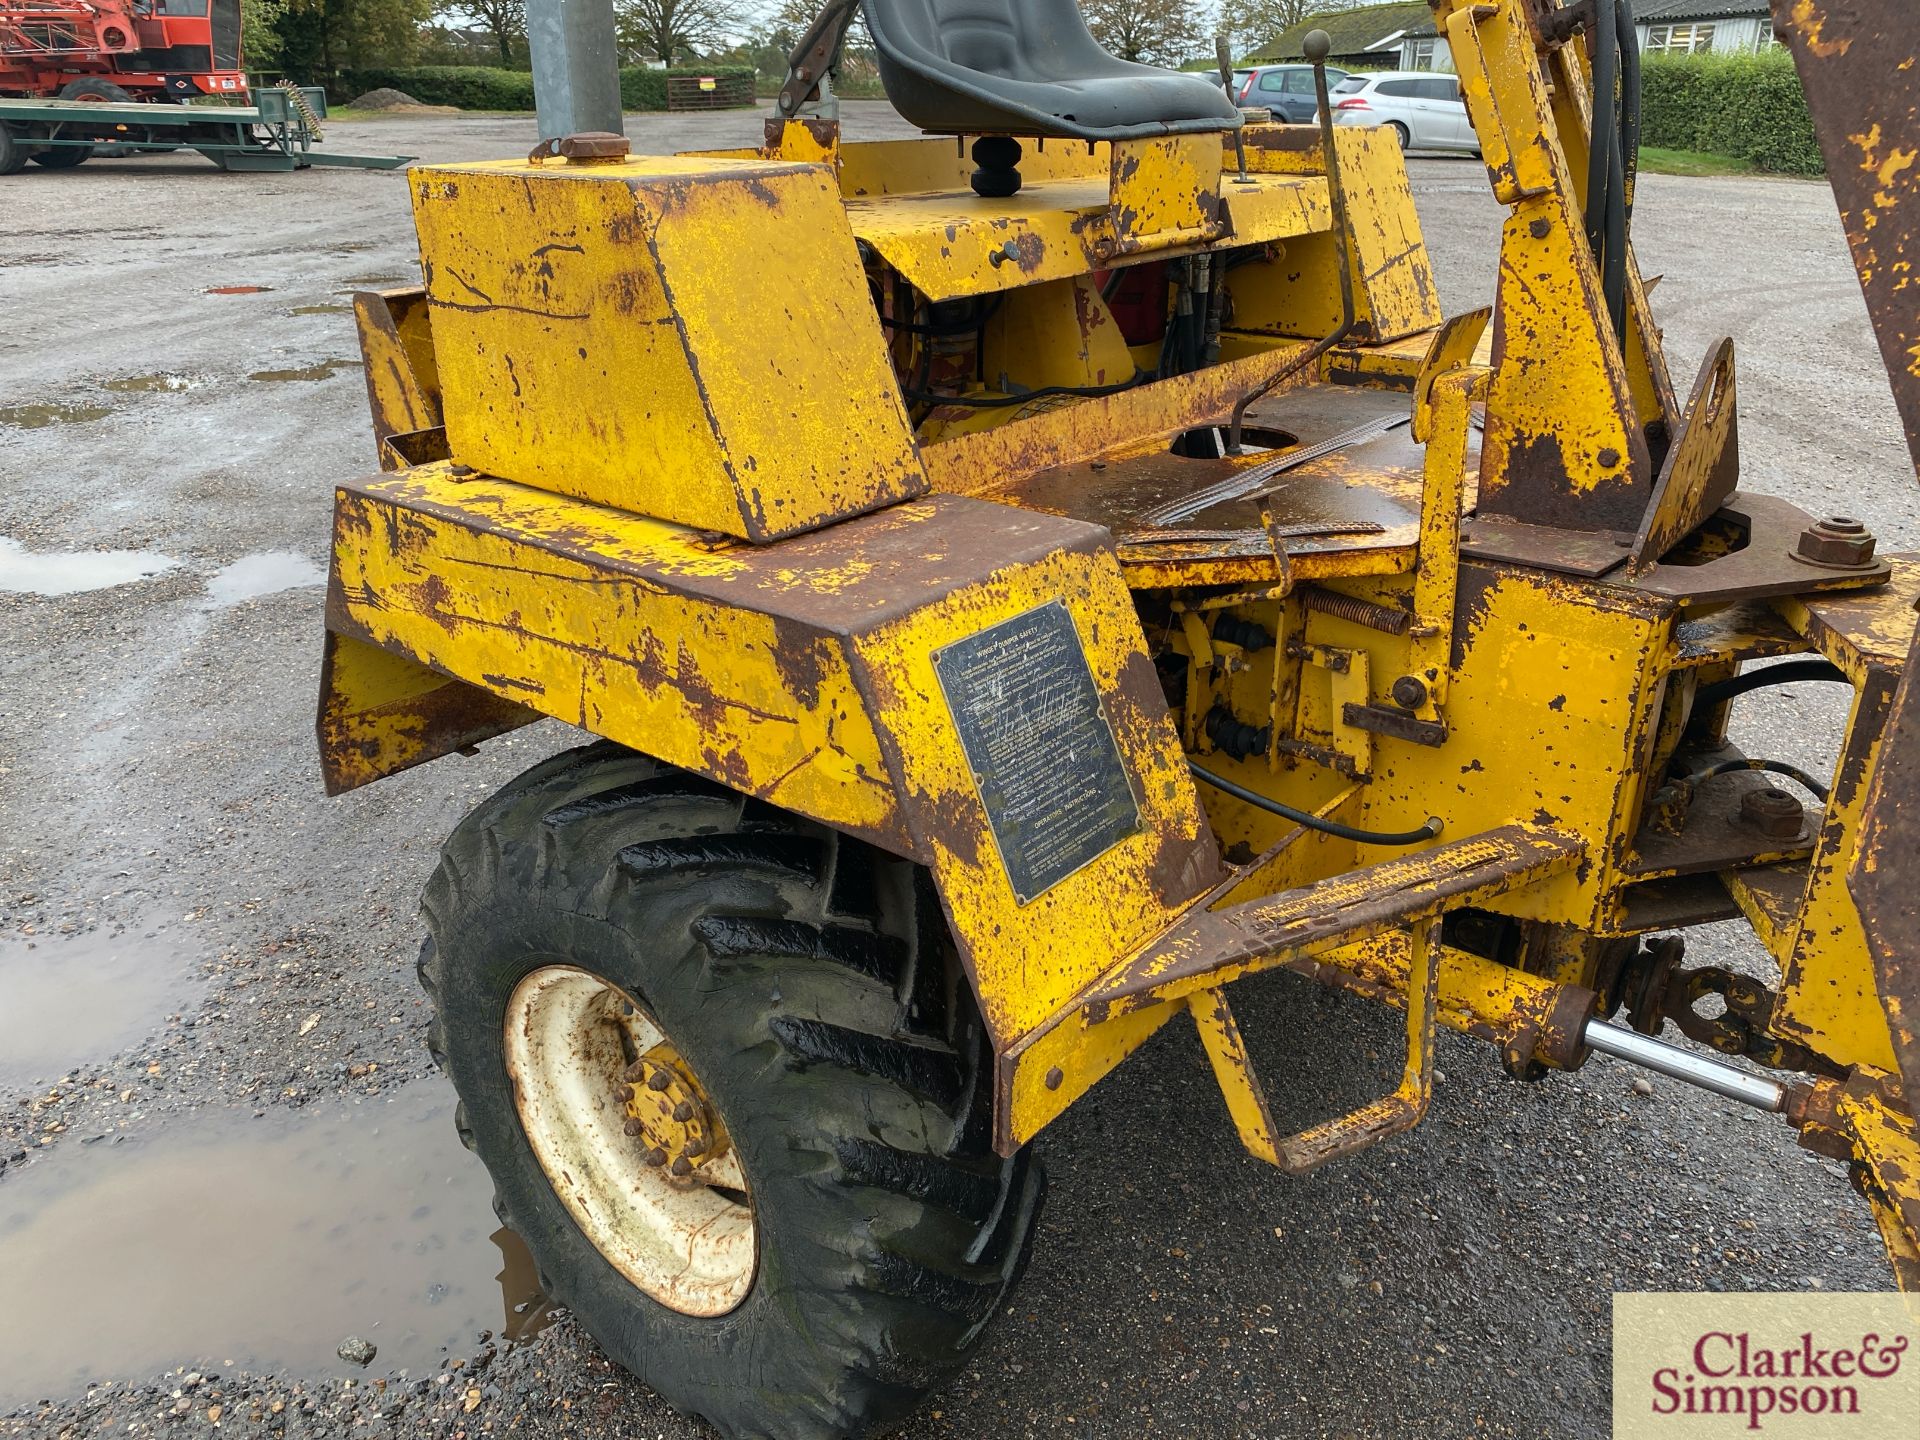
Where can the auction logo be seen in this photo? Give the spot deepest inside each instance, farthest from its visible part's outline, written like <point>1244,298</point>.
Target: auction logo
<point>1804,1366</point>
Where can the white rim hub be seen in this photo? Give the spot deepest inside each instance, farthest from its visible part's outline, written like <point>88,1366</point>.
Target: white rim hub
<point>687,1240</point>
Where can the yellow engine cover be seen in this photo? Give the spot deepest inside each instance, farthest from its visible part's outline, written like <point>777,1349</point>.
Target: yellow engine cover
<point>686,339</point>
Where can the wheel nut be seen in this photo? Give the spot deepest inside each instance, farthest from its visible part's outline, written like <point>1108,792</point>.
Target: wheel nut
<point>696,1146</point>
<point>1409,692</point>
<point>682,1166</point>
<point>635,1071</point>
<point>634,1127</point>
<point>655,1157</point>
<point>683,1112</point>
<point>659,1080</point>
<point>1773,812</point>
<point>1839,542</point>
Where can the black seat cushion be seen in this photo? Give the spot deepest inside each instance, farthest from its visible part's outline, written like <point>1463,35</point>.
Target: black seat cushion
<point>1029,67</point>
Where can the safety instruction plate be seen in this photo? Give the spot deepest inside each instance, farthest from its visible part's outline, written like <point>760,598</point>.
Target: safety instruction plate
<point>1040,746</point>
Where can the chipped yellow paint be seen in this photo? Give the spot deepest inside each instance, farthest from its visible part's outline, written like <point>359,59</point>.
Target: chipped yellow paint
<point>640,341</point>
<point>1297,293</point>
<point>952,245</point>
<point>1027,960</point>
<point>610,622</point>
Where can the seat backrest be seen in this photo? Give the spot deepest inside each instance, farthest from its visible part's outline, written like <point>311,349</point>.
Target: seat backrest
<point>1028,67</point>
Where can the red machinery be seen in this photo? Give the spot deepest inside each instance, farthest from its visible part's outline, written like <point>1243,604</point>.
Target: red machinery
<point>115,50</point>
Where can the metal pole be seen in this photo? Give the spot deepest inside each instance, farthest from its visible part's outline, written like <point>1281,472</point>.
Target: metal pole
<point>576,67</point>
<point>1670,1060</point>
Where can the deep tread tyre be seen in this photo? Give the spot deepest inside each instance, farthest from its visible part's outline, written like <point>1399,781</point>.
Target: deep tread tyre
<point>807,981</point>
<point>65,158</point>
<point>13,154</point>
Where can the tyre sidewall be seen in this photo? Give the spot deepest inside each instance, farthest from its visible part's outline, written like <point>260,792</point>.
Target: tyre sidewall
<point>802,1224</point>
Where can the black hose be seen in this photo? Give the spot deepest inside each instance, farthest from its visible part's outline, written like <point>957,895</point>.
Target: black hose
<point>1606,53</point>
<point>1426,832</point>
<point>1629,104</point>
<point>1772,767</point>
<point>1787,673</point>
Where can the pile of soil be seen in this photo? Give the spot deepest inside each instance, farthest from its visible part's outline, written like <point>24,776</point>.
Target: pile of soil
<point>398,102</point>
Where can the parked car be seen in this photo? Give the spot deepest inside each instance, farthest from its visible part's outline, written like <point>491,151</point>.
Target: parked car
<point>1423,109</point>
<point>1286,90</point>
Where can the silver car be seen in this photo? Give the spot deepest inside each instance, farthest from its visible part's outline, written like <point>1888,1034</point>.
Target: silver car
<point>1423,108</point>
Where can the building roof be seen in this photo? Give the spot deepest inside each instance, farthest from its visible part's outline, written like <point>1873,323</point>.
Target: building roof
<point>1643,11</point>
<point>1354,32</point>
<point>1699,9</point>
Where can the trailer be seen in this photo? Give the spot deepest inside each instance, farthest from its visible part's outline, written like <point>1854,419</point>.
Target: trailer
<point>276,131</point>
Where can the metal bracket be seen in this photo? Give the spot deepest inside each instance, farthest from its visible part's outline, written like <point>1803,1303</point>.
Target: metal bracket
<point>1311,1148</point>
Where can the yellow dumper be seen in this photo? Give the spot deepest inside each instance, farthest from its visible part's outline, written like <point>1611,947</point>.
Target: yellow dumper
<point>1027,579</point>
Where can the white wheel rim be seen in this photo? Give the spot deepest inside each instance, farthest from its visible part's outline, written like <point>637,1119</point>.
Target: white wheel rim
<point>689,1242</point>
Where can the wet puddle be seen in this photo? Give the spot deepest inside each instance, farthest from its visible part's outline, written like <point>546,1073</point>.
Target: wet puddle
<point>66,1000</point>
<point>38,417</point>
<point>267,573</point>
<point>227,1242</point>
<point>161,381</point>
<point>27,572</point>
<point>306,372</point>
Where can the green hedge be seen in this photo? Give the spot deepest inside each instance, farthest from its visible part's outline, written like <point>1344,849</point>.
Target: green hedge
<point>1746,106</point>
<point>479,87</point>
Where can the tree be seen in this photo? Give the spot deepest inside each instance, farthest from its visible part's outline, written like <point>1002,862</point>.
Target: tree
<point>1249,24</point>
<point>1154,32</point>
<point>505,20</point>
<point>669,30</point>
<point>259,35</point>
<point>320,37</point>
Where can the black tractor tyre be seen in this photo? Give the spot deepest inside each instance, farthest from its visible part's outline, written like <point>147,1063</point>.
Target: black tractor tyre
<point>13,154</point>
<point>97,92</point>
<point>63,158</point>
<point>808,981</point>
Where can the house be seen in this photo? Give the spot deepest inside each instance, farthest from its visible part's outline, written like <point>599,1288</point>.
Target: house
<point>1366,39</point>
<point>1403,37</point>
<point>1665,27</point>
<point>1694,27</point>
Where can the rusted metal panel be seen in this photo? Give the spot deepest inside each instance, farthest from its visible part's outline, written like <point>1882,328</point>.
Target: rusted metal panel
<point>381,713</point>
<point>1856,63</point>
<point>1213,946</point>
<point>1702,468</point>
<point>602,332</point>
<point>403,378</point>
<point>1883,881</point>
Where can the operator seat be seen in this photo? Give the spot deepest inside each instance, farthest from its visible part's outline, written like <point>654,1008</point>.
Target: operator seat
<point>1029,67</point>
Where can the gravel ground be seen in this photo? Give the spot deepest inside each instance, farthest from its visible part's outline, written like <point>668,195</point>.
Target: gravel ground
<point>216,1112</point>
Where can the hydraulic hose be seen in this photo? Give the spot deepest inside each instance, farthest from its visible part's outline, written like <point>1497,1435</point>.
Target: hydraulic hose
<point>1311,821</point>
<point>1772,767</point>
<point>1787,673</point>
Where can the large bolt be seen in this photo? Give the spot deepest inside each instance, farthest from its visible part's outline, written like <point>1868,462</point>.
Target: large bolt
<point>634,1127</point>
<point>1409,692</point>
<point>681,1166</point>
<point>683,1112</point>
<point>659,1080</point>
<point>1773,812</point>
<point>1839,542</point>
<point>655,1157</point>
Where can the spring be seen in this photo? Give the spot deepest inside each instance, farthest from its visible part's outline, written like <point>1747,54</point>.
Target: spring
<point>1384,618</point>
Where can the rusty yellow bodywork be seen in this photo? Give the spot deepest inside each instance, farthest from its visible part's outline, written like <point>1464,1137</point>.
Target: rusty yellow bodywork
<point>726,456</point>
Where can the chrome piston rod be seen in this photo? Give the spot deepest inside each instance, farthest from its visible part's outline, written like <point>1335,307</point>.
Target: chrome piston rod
<point>1670,1060</point>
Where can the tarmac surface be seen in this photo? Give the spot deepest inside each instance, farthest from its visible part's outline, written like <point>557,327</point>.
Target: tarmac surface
<point>223,1150</point>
